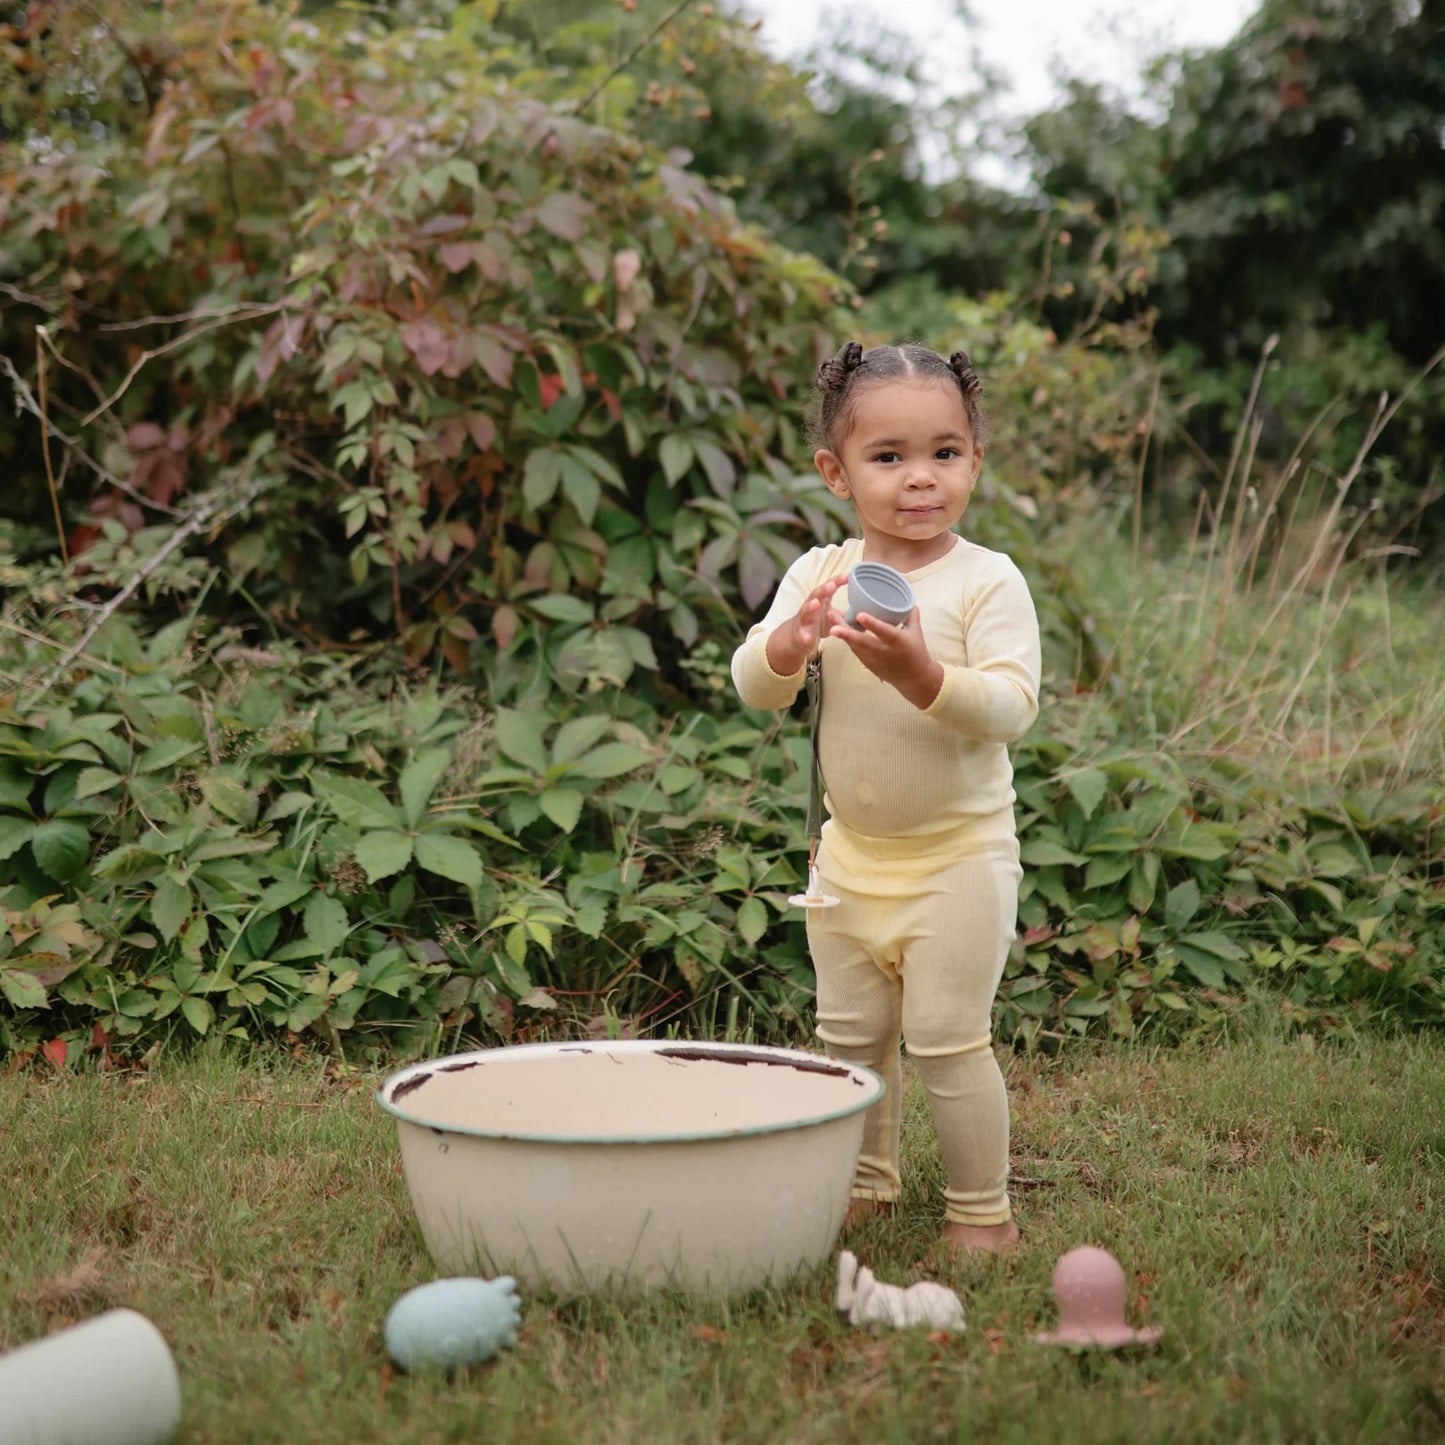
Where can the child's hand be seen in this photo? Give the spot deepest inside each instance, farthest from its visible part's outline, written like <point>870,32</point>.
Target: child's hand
<point>791,644</point>
<point>897,655</point>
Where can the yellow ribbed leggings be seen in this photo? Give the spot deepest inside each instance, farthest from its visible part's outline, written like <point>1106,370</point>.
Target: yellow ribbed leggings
<point>922,963</point>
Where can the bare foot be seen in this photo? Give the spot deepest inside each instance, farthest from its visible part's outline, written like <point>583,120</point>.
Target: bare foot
<point>862,1210</point>
<point>963,1239</point>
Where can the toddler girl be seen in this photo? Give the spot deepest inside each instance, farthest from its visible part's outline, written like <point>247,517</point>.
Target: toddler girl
<point>920,846</point>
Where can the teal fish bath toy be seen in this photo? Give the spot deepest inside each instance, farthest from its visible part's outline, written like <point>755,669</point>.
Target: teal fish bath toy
<point>453,1322</point>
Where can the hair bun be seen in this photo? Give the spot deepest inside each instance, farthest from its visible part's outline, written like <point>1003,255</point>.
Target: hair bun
<point>833,374</point>
<point>962,367</point>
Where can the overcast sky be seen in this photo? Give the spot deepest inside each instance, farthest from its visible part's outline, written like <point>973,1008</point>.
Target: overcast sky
<point>1028,40</point>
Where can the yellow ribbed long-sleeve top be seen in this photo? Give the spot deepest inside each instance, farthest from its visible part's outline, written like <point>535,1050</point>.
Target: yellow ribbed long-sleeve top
<point>906,782</point>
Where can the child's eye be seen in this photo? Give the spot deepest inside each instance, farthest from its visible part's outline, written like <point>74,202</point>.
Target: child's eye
<point>947,452</point>
<point>886,457</point>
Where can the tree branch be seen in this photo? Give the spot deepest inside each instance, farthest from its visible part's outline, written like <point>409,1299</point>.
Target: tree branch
<point>635,52</point>
<point>174,344</point>
<point>208,514</point>
<point>25,401</point>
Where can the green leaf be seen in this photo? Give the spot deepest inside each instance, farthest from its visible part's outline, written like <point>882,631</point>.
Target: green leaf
<point>229,798</point>
<point>287,805</point>
<point>721,472</point>
<point>199,1013</point>
<point>1103,871</point>
<point>1203,966</point>
<point>1334,859</point>
<point>451,857</point>
<point>15,833</point>
<point>325,922</point>
<point>562,607</point>
<point>281,894</point>
<point>1042,852</point>
<point>1090,1008</point>
<point>170,907</point>
<point>1182,903</point>
<point>383,853</point>
<point>15,785</point>
<point>540,477</point>
<point>599,466</point>
<point>22,989</point>
<point>1088,787</point>
<point>61,847</point>
<point>676,457</point>
<point>60,790</point>
<point>419,779</point>
<point>129,863</point>
<point>1199,840</point>
<point>578,734</point>
<point>519,735</point>
<point>357,802</point>
<point>611,760</point>
<point>581,488</point>
<point>95,780</point>
<point>563,806</point>
<point>1221,945</point>
<point>752,919</point>
<point>1144,882</point>
<point>165,754</point>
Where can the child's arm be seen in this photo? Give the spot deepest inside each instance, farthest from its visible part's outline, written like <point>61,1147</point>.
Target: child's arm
<point>996,698</point>
<point>768,668</point>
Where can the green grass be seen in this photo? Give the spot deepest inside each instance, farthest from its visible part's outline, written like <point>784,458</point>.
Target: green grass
<point>1276,1204</point>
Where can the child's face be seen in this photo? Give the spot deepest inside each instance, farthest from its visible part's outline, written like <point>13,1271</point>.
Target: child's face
<point>909,463</point>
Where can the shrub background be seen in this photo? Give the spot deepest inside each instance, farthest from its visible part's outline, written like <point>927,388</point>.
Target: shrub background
<point>422,447</point>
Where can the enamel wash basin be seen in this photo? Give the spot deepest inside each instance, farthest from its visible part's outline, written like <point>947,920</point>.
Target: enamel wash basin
<point>631,1164</point>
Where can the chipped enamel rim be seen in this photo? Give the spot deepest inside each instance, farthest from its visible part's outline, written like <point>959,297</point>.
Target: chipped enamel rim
<point>414,1075</point>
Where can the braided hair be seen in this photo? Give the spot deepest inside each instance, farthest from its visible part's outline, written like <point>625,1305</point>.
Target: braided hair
<point>844,374</point>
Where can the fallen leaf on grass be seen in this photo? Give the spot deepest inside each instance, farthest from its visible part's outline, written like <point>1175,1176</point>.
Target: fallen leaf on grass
<point>710,1335</point>
<point>383,1385</point>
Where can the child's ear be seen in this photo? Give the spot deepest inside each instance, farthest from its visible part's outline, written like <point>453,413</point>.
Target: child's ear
<point>977,462</point>
<point>831,470</point>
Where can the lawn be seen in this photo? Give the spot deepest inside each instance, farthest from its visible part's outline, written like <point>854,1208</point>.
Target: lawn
<point>1278,1204</point>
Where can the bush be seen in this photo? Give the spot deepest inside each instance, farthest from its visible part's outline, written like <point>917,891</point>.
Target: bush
<point>439,445</point>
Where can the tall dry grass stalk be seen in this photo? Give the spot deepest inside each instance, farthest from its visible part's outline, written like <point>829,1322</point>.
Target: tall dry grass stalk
<point>1275,636</point>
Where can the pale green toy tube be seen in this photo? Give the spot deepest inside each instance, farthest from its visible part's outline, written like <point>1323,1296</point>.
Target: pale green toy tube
<point>110,1381</point>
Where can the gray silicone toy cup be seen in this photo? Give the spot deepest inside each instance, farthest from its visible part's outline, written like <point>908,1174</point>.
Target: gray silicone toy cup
<point>881,592</point>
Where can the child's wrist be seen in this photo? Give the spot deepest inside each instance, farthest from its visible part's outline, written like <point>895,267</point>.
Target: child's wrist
<point>784,657</point>
<point>924,689</point>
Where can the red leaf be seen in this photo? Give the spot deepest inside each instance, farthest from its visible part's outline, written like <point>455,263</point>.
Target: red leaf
<point>55,1051</point>
<point>443,225</point>
<point>563,213</point>
<point>456,652</point>
<point>504,626</point>
<point>428,342</point>
<point>458,255</point>
<point>99,1039</point>
<point>145,436</point>
<point>496,360</point>
<point>482,428</point>
<point>551,388</point>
